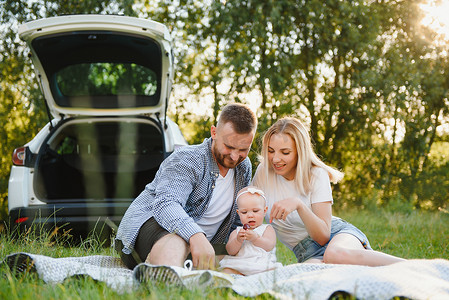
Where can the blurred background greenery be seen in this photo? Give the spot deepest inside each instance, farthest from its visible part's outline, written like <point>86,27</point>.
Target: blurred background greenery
<point>370,78</point>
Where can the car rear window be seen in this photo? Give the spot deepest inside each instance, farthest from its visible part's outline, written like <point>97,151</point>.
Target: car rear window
<point>101,69</point>
<point>103,79</point>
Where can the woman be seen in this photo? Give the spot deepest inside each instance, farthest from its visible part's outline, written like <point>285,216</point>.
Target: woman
<point>297,186</point>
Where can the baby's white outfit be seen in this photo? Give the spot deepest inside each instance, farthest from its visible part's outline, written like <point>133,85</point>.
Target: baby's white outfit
<point>251,259</point>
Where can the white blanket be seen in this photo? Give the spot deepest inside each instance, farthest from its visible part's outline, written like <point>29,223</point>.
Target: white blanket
<point>415,279</point>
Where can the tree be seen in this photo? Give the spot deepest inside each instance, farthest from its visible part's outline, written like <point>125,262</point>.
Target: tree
<point>366,76</point>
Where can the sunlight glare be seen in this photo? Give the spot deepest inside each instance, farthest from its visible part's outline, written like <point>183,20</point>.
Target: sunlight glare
<point>437,17</point>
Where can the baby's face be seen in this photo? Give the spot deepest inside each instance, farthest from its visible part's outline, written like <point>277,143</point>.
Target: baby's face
<point>252,209</point>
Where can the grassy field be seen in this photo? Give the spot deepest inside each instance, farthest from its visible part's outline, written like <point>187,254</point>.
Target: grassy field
<point>413,235</point>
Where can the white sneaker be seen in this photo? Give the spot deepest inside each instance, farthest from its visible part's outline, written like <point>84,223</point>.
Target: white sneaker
<point>181,277</point>
<point>156,275</point>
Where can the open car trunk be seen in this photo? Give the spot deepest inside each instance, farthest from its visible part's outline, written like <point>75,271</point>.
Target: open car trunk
<point>106,80</point>
<point>98,159</point>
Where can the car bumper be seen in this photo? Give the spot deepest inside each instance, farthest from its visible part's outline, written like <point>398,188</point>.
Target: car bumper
<point>77,220</point>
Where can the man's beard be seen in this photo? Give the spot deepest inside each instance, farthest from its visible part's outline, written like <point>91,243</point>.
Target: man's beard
<point>225,160</point>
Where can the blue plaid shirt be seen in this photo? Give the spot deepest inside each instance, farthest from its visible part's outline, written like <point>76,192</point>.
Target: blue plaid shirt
<point>179,195</point>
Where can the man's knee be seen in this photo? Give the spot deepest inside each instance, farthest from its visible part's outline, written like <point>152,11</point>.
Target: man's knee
<point>171,249</point>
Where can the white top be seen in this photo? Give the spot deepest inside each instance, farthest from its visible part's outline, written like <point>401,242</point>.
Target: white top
<point>291,231</point>
<point>219,206</point>
<point>251,259</point>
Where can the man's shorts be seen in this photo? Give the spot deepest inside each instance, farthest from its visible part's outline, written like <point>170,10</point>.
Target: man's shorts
<point>149,234</point>
<point>308,248</point>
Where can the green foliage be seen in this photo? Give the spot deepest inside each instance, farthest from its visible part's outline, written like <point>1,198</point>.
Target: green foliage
<point>106,79</point>
<point>366,76</point>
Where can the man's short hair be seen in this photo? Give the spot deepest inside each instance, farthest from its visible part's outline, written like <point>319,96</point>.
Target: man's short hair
<point>242,118</point>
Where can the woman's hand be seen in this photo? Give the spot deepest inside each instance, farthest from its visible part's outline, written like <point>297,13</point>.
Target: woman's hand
<point>282,208</point>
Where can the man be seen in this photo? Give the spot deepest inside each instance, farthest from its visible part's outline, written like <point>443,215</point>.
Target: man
<point>190,204</point>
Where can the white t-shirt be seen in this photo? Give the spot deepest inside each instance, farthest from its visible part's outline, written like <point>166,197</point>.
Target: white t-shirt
<point>291,231</point>
<point>219,206</point>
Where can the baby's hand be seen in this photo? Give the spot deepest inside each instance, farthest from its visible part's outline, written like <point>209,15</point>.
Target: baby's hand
<point>241,236</point>
<point>251,235</point>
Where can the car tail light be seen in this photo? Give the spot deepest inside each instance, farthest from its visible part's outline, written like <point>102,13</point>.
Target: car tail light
<point>18,156</point>
<point>21,220</point>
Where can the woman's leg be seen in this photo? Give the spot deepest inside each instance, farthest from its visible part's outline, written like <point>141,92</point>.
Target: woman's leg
<point>345,248</point>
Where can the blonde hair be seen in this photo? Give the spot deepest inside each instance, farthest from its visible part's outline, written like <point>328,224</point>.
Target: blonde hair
<point>307,158</point>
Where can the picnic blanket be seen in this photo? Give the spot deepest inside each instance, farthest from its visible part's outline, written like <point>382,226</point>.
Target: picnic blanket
<point>414,279</point>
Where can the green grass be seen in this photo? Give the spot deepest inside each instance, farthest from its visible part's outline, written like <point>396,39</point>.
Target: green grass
<point>412,235</point>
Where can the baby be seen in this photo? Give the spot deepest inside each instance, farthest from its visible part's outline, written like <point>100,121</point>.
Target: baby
<point>251,248</point>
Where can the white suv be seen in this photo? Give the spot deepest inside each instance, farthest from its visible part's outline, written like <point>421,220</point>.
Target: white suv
<point>106,81</point>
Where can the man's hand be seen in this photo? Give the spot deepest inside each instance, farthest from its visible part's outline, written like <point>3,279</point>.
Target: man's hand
<point>203,254</point>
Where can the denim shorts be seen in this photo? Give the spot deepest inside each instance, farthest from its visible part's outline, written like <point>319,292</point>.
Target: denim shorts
<point>308,248</point>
